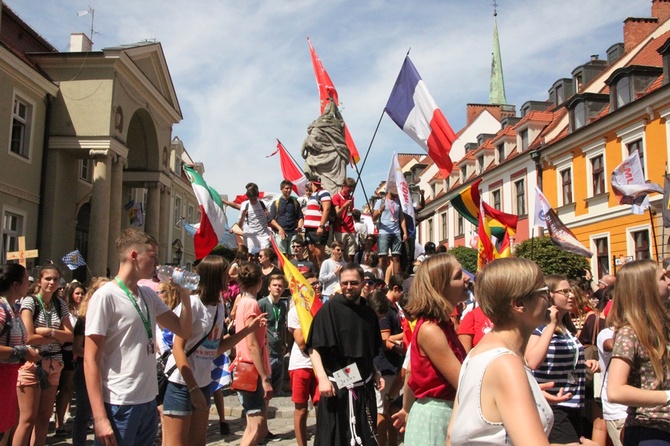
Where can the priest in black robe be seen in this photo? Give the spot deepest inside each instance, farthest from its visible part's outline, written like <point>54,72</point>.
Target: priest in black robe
<point>345,331</point>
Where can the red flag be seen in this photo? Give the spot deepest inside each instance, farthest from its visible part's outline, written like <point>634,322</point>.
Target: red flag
<point>290,170</point>
<point>327,91</point>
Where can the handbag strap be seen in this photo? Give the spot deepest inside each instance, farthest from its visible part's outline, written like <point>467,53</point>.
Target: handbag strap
<point>595,329</point>
<point>195,347</point>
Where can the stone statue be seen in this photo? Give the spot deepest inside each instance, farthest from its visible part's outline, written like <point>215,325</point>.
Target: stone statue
<point>325,151</point>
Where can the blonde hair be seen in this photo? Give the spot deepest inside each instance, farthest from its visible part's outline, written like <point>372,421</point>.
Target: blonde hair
<point>429,288</point>
<point>96,283</point>
<point>170,295</point>
<point>503,282</point>
<point>638,304</point>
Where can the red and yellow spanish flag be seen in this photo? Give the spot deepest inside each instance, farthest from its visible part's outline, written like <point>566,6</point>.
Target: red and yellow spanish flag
<point>488,251</point>
<point>304,299</point>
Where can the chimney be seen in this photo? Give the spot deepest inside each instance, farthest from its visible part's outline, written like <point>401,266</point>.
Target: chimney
<point>660,9</point>
<point>80,43</point>
<point>636,29</point>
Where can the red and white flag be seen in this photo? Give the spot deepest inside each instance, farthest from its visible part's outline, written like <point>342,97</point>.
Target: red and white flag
<point>290,170</point>
<point>414,110</point>
<point>327,91</point>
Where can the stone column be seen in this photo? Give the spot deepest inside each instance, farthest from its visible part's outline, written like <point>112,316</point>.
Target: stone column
<point>116,211</point>
<point>165,244</point>
<point>99,234</point>
<point>152,222</point>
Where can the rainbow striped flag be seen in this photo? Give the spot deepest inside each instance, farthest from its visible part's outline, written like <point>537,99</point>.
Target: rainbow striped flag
<point>467,204</point>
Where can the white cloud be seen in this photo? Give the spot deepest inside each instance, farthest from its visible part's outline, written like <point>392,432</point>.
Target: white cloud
<point>243,75</point>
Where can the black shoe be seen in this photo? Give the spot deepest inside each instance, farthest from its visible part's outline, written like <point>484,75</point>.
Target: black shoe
<point>60,432</point>
<point>224,429</point>
<point>271,438</point>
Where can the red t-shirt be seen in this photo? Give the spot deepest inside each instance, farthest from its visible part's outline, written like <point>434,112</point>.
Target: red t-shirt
<point>476,324</point>
<point>426,381</point>
<point>345,223</point>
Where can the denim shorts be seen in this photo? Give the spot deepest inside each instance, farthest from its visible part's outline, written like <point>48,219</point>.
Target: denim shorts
<point>252,402</point>
<point>389,241</point>
<point>177,400</point>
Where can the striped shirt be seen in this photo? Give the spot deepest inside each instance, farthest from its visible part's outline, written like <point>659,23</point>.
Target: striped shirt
<point>565,366</point>
<point>57,312</point>
<point>313,212</point>
<point>17,334</point>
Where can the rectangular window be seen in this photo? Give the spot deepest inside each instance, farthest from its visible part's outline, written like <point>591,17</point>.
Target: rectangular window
<point>86,169</point>
<point>602,256</point>
<point>177,210</point>
<point>189,215</point>
<point>443,222</point>
<point>524,140</point>
<point>21,121</point>
<point>496,198</point>
<point>430,229</point>
<point>566,186</point>
<point>636,146</point>
<point>11,230</point>
<point>598,175</point>
<point>520,190</point>
<point>500,153</point>
<point>480,163</point>
<point>464,173</point>
<point>460,224</point>
<point>641,240</point>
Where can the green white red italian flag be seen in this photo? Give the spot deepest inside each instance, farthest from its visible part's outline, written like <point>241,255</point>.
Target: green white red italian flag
<point>213,220</point>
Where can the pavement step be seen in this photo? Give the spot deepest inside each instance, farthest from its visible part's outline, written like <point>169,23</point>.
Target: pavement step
<point>280,407</point>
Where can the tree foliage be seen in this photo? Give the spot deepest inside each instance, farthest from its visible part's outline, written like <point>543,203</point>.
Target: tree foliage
<point>551,258</point>
<point>466,256</point>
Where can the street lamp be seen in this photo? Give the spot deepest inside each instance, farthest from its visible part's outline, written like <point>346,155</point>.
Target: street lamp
<point>178,251</point>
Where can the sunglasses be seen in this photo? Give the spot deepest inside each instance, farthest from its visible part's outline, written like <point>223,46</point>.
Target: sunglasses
<point>350,283</point>
<point>565,291</point>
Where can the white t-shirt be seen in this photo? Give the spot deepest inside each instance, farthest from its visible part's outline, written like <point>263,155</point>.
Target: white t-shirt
<point>200,361</point>
<point>256,220</point>
<point>611,411</point>
<point>127,367</point>
<point>298,359</point>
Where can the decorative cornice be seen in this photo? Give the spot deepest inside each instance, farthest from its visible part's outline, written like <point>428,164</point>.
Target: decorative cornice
<point>19,193</point>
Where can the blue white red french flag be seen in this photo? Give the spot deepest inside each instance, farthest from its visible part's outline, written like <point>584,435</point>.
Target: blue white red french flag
<point>414,110</point>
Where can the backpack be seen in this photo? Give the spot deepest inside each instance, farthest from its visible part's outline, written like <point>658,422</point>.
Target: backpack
<point>332,213</point>
<point>8,322</point>
<point>294,200</point>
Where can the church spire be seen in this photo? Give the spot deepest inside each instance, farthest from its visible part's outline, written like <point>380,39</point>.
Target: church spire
<point>497,90</point>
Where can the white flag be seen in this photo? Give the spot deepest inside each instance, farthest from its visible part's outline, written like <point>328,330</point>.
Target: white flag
<point>629,185</point>
<point>542,208</point>
<point>396,183</point>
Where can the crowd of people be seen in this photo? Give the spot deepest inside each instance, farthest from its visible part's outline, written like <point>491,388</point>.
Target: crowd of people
<point>403,349</point>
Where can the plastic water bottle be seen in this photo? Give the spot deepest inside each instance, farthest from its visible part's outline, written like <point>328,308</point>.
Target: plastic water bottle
<point>183,278</point>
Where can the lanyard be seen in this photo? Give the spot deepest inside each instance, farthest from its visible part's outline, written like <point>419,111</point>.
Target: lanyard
<point>47,316</point>
<point>145,319</point>
<point>276,311</point>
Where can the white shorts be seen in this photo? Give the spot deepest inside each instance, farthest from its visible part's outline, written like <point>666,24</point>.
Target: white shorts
<point>255,242</point>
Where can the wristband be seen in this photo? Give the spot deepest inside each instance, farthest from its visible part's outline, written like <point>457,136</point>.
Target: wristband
<point>193,388</point>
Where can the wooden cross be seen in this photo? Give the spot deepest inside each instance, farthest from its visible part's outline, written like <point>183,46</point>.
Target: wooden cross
<point>21,255</point>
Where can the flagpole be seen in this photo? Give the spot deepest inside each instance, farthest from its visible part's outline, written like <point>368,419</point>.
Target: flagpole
<point>653,232</point>
<point>359,172</point>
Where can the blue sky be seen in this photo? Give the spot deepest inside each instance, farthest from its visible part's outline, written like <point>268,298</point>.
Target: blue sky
<point>243,74</point>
